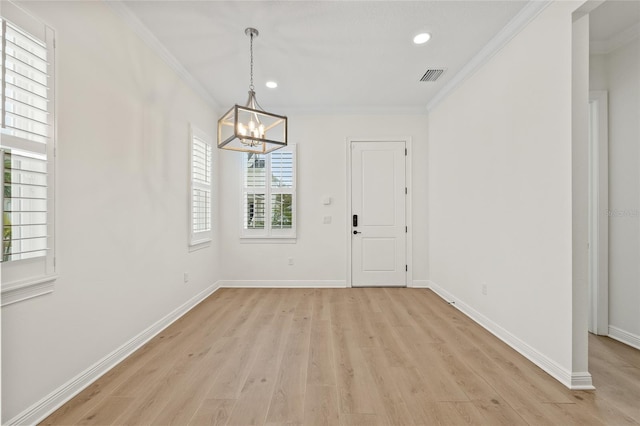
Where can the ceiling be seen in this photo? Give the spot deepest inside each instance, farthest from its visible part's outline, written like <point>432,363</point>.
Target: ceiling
<point>613,17</point>
<point>327,56</point>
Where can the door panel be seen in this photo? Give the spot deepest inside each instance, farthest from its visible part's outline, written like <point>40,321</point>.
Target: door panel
<point>377,187</point>
<point>378,254</point>
<point>378,246</point>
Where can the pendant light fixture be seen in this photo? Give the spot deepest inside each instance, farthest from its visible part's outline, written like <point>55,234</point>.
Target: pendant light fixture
<point>250,128</point>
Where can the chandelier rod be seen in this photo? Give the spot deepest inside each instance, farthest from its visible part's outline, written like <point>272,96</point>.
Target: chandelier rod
<point>251,52</point>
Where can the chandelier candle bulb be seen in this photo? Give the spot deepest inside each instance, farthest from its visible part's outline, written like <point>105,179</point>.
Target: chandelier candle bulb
<point>250,128</point>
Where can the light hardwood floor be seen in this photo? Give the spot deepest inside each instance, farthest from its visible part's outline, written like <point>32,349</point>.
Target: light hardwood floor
<point>346,356</point>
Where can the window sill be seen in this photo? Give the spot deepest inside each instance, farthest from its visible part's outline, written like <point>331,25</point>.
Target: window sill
<point>199,245</point>
<point>27,289</point>
<point>268,240</point>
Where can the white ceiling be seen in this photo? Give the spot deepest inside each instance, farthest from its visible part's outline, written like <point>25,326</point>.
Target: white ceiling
<point>353,56</point>
<point>612,17</point>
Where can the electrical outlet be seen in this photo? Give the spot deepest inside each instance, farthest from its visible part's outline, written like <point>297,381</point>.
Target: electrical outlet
<point>186,277</point>
<point>484,288</point>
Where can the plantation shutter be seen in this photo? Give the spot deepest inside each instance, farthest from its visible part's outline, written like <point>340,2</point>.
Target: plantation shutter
<point>268,197</point>
<point>25,85</point>
<point>26,132</point>
<point>27,145</point>
<point>282,190</point>
<point>255,178</point>
<point>201,175</point>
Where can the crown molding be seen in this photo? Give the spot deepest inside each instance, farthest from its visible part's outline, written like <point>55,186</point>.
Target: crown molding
<point>603,47</point>
<point>521,20</point>
<point>353,110</point>
<point>513,27</point>
<point>150,40</point>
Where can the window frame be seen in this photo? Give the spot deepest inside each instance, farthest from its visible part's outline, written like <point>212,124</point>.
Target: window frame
<point>27,278</point>
<point>268,234</point>
<point>200,239</point>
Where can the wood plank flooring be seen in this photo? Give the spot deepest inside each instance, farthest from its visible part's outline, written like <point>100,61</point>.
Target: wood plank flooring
<point>374,356</point>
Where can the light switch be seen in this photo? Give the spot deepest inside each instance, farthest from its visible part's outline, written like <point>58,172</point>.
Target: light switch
<point>326,201</point>
<point>327,220</point>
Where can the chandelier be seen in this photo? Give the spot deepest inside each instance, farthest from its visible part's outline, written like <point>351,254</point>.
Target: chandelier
<point>250,128</point>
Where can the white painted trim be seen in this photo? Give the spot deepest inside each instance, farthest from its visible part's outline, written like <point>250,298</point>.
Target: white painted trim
<point>282,283</point>
<point>132,21</point>
<point>513,27</point>
<point>47,405</point>
<point>408,181</point>
<point>625,337</point>
<point>420,284</point>
<point>27,289</point>
<point>571,380</point>
<point>355,110</point>
<point>408,143</point>
<point>266,239</point>
<point>581,381</point>
<point>598,214</point>
<point>347,228</point>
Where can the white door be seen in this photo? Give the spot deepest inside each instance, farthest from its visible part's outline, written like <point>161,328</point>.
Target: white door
<point>378,233</point>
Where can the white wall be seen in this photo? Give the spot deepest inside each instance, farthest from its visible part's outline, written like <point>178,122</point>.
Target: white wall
<point>500,192</point>
<point>617,72</point>
<point>320,251</point>
<point>580,376</point>
<point>122,182</point>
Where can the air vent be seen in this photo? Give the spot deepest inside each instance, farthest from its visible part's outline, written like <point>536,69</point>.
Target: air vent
<point>432,74</point>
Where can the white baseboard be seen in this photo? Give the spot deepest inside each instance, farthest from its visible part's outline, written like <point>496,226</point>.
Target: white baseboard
<point>283,283</point>
<point>43,408</point>
<point>624,337</point>
<point>581,381</point>
<point>574,381</point>
<point>420,284</point>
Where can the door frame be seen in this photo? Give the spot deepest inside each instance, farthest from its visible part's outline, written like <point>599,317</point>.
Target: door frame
<point>598,213</point>
<point>408,203</point>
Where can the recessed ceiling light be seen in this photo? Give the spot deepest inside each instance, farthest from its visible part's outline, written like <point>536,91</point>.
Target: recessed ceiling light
<point>421,38</point>
<point>272,84</point>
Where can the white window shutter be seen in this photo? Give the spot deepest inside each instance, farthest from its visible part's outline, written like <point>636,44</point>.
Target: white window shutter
<point>268,194</point>
<point>27,120</point>
<point>201,188</point>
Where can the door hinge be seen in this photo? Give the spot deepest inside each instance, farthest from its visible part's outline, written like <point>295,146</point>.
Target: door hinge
<point>406,191</point>
<point>406,229</point>
<point>406,152</point>
<point>406,268</point>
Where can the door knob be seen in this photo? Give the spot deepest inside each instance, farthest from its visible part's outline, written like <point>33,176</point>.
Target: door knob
<point>356,232</point>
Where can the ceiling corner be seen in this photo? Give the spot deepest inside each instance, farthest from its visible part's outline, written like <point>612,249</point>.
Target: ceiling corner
<point>528,13</point>
<point>132,21</point>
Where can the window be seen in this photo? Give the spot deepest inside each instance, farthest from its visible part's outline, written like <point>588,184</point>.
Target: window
<point>200,200</point>
<point>27,150</point>
<point>269,194</point>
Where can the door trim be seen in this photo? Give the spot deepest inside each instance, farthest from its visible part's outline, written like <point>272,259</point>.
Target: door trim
<point>599,214</point>
<point>408,203</point>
